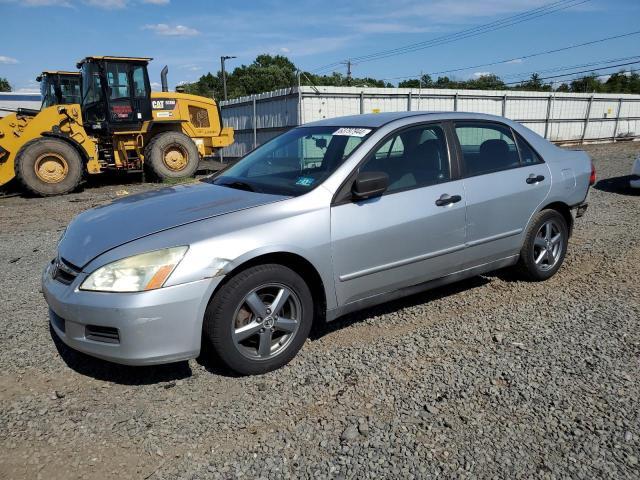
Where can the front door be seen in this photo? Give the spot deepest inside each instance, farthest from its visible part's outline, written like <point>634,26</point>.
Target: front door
<point>414,232</point>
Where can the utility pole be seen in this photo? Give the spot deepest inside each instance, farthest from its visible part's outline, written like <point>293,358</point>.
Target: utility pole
<point>224,73</point>
<point>348,64</point>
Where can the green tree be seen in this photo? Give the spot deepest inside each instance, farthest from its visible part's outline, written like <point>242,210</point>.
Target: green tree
<point>271,72</point>
<point>413,83</point>
<point>485,82</point>
<point>207,86</point>
<point>589,84</point>
<point>535,84</point>
<point>623,82</point>
<point>425,82</point>
<point>4,85</point>
<point>266,73</point>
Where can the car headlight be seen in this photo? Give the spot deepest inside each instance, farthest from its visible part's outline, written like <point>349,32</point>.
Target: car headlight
<point>147,271</point>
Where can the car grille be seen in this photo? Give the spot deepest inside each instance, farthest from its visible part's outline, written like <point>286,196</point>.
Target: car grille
<point>102,334</point>
<point>64,272</point>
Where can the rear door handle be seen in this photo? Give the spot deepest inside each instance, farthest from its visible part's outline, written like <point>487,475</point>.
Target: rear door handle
<point>534,178</point>
<point>446,199</point>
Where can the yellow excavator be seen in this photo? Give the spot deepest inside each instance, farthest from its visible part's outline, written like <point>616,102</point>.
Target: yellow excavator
<point>118,124</point>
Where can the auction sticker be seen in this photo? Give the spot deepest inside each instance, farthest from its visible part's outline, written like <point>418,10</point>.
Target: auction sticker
<point>352,132</point>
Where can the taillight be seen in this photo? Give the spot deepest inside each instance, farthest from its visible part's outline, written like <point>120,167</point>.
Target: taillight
<point>592,178</point>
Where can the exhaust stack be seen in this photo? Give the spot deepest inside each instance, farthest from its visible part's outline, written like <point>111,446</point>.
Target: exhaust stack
<point>163,79</point>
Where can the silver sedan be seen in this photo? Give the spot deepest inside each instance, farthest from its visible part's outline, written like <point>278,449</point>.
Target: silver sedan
<point>327,218</point>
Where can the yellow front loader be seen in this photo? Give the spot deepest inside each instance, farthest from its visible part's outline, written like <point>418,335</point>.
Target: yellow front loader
<point>118,125</point>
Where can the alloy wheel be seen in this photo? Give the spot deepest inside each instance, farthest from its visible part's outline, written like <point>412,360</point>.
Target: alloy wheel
<point>548,245</point>
<point>266,321</point>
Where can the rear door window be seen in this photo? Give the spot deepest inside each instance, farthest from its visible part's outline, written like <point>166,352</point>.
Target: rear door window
<point>486,147</point>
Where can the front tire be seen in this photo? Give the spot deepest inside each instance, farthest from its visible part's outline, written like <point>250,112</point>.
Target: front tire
<point>258,321</point>
<point>49,166</point>
<point>545,246</point>
<point>172,155</point>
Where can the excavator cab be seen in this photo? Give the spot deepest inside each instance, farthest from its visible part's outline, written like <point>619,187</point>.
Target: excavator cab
<point>116,94</point>
<point>59,88</point>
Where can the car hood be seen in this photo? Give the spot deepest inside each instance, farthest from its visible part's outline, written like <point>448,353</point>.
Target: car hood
<point>102,228</point>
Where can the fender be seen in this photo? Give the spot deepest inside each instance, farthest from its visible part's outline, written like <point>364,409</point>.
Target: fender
<point>89,156</point>
<point>326,277</point>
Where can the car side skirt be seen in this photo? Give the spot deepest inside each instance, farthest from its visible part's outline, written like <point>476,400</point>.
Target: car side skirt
<point>421,287</point>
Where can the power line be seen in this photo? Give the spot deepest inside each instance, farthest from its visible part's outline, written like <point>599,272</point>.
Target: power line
<point>565,67</point>
<point>471,32</point>
<point>522,57</point>
<point>592,70</point>
<point>463,32</point>
<point>510,21</point>
<point>549,70</point>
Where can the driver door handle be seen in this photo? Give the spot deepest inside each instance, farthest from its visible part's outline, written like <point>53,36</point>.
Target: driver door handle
<point>534,178</point>
<point>446,199</point>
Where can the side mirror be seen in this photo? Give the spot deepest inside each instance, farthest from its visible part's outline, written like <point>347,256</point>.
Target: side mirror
<point>369,185</point>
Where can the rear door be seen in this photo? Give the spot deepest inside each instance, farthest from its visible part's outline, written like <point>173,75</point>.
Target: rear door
<point>505,181</point>
<point>406,236</point>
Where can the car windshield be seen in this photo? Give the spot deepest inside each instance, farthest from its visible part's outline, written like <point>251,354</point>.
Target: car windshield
<point>294,162</point>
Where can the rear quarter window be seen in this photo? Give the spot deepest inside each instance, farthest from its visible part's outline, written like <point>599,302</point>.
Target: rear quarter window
<point>528,155</point>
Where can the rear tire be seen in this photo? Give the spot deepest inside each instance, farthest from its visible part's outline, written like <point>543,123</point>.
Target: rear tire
<point>545,246</point>
<point>49,166</point>
<point>245,334</point>
<point>172,155</point>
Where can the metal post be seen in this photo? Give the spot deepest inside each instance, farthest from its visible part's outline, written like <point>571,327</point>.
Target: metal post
<point>504,105</point>
<point>361,103</point>
<point>255,124</point>
<point>615,128</point>
<point>420,91</point>
<point>455,102</point>
<point>548,117</point>
<point>586,120</point>
<point>299,119</point>
<point>409,102</point>
<point>224,73</point>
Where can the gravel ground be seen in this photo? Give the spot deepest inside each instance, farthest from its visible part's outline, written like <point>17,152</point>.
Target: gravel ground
<point>491,378</point>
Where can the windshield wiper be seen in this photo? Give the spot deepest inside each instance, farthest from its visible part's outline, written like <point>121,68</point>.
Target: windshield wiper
<point>238,185</point>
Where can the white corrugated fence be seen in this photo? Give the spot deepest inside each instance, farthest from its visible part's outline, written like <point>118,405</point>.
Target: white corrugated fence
<point>560,117</point>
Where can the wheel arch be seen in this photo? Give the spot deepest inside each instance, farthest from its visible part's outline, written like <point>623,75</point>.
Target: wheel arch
<point>564,210</point>
<point>295,262</point>
<point>165,126</point>
<point>70,141</point>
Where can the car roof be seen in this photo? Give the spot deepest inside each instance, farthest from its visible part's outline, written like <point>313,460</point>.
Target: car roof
<point>375,120</point>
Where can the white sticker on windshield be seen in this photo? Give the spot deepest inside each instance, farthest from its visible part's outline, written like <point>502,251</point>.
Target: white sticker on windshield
<point>352,132</point>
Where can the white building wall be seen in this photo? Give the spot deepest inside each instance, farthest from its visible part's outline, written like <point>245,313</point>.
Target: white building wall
<point>13,101</point>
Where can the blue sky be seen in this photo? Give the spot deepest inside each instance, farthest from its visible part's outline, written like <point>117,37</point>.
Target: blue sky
<point>191,35</point>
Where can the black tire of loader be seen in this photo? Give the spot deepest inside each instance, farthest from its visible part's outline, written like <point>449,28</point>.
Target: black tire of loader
<point>26,160</point>
<point>155,149</point>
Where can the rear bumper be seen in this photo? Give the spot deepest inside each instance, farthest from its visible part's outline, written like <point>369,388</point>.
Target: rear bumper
<point>158,326</point>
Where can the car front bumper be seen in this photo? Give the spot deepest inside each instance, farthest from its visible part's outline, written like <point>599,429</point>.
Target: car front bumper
<point>144,328</point>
